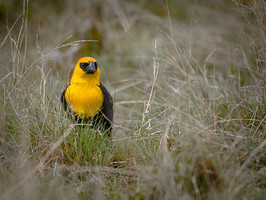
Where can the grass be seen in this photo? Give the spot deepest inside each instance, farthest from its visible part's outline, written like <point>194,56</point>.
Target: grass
<point>188,83</point>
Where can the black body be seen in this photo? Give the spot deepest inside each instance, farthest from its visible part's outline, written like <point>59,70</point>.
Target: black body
<point>103,118</point>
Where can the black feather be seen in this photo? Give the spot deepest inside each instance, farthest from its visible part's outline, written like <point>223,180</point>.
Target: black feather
<point>63,100</point>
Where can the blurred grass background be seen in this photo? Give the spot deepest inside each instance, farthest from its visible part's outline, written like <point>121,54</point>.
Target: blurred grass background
<point>188,83</point>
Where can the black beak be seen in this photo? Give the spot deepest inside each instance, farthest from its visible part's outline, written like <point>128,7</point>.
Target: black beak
<point>89,67</point>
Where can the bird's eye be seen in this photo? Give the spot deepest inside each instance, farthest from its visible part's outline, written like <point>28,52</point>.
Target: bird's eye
<point>96,65</point>
<point>82,65</point>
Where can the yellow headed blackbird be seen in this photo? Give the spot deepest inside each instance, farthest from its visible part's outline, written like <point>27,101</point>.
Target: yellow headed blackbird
<point>87,98</point>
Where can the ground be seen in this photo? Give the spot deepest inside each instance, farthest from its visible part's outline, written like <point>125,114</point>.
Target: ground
<point>188,84</point>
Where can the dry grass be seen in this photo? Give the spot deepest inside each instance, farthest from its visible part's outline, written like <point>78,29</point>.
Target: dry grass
<point>188,82</point>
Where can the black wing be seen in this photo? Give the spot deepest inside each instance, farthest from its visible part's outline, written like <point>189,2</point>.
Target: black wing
<point>106,113</point>
<point>70,113</point>
<point>107,108</point>
<point>63,99</point>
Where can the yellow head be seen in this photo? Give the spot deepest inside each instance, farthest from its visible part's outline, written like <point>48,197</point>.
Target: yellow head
<point>86,71</point>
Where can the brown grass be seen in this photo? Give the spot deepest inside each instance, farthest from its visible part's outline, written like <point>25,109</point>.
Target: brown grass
<point>188,84</point>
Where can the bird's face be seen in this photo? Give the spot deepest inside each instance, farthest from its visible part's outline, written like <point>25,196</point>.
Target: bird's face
<point>86,68</point>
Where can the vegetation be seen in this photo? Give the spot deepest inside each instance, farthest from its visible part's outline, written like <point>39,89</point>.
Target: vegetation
<point>188,83</point>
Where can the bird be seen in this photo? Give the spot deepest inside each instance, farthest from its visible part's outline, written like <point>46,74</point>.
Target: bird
<point>86,98</point>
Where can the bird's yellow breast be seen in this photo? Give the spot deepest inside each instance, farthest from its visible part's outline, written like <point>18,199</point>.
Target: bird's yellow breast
<point>84,100</point>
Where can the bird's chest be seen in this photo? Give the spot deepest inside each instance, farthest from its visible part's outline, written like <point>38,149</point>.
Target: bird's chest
<point>85,101</point>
